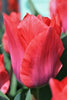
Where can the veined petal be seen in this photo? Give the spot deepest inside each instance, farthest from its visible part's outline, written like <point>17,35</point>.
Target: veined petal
<point>15,48</point>
<point>40,58</point>
<point>15,18</point>
<point>4,77</point>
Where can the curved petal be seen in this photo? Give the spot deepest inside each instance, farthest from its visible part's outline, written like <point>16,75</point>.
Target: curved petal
<point>15,17</point>
<point>40,58</point>
<point>59,89</point>
<point>4,77</point>
<point>15,48</point>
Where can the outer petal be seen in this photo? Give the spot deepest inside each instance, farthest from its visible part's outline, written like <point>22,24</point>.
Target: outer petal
<point>59,89</point>
<point>40,59</point>
<point>15,17</point>
<point>15,48</point>
<point>4,78</point>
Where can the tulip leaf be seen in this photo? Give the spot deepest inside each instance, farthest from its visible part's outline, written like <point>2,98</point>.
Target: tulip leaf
<point>18,96</point>
<point>3,96</point>
<point>13,86</point>
<point>63,35</point>
<point>21,95</point>
<point>28,97</point>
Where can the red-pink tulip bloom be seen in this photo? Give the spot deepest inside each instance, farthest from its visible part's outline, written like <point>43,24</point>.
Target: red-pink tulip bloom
<point>4,77</point>
<point>59,7</point>
<point>13,5</point>
<point>35,49</point>
<point>59,89</point>
<point>15,17</point>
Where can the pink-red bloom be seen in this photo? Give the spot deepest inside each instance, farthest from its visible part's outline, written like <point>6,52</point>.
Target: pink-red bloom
<point>13,5</point>
<point>4,77</point>
<point>35,48</point>
<point>59,89</point>
<point>0,6</point>
<point>59,7</point>
<point>15,17</point>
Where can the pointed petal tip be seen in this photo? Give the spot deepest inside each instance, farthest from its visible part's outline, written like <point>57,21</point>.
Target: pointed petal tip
<point>51,81</point>
<point>4,15</point>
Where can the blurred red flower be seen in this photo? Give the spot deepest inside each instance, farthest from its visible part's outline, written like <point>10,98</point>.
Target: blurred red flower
<point>15,17</point>
<point>0,6</point>
<point>59,89</point>
<point>4,77</point>
<point>13,5</point>
<point>35,48</point>
<point>59,7</point>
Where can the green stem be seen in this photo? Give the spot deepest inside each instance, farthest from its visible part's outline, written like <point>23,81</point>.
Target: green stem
<point>35,93</point>
<point>13,85</point>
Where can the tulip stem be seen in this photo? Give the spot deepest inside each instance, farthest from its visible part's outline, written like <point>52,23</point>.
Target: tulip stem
<point>35,93</point>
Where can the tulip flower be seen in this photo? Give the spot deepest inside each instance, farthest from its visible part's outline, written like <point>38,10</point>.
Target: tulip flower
<point>15,17</point>
<point>4,77</point>
<point>35,49</point>
<point>59,89</point>
<point>0,6</point>
<point>59,7</point>
<point>13,5</point>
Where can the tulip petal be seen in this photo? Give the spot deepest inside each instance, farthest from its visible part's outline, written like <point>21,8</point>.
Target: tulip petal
<point>59,89</point>
<point>15,17</point>
<point>15,48</point>
<point>4,77</point>
<point>40,59</point>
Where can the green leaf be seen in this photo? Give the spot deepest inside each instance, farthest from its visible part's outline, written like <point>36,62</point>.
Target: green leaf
<point>13,86</point>
<point>18,96</point>
<point>3,96</point>
<point>28,97</point>
<point>63,35</point>
<point>21,95</point>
